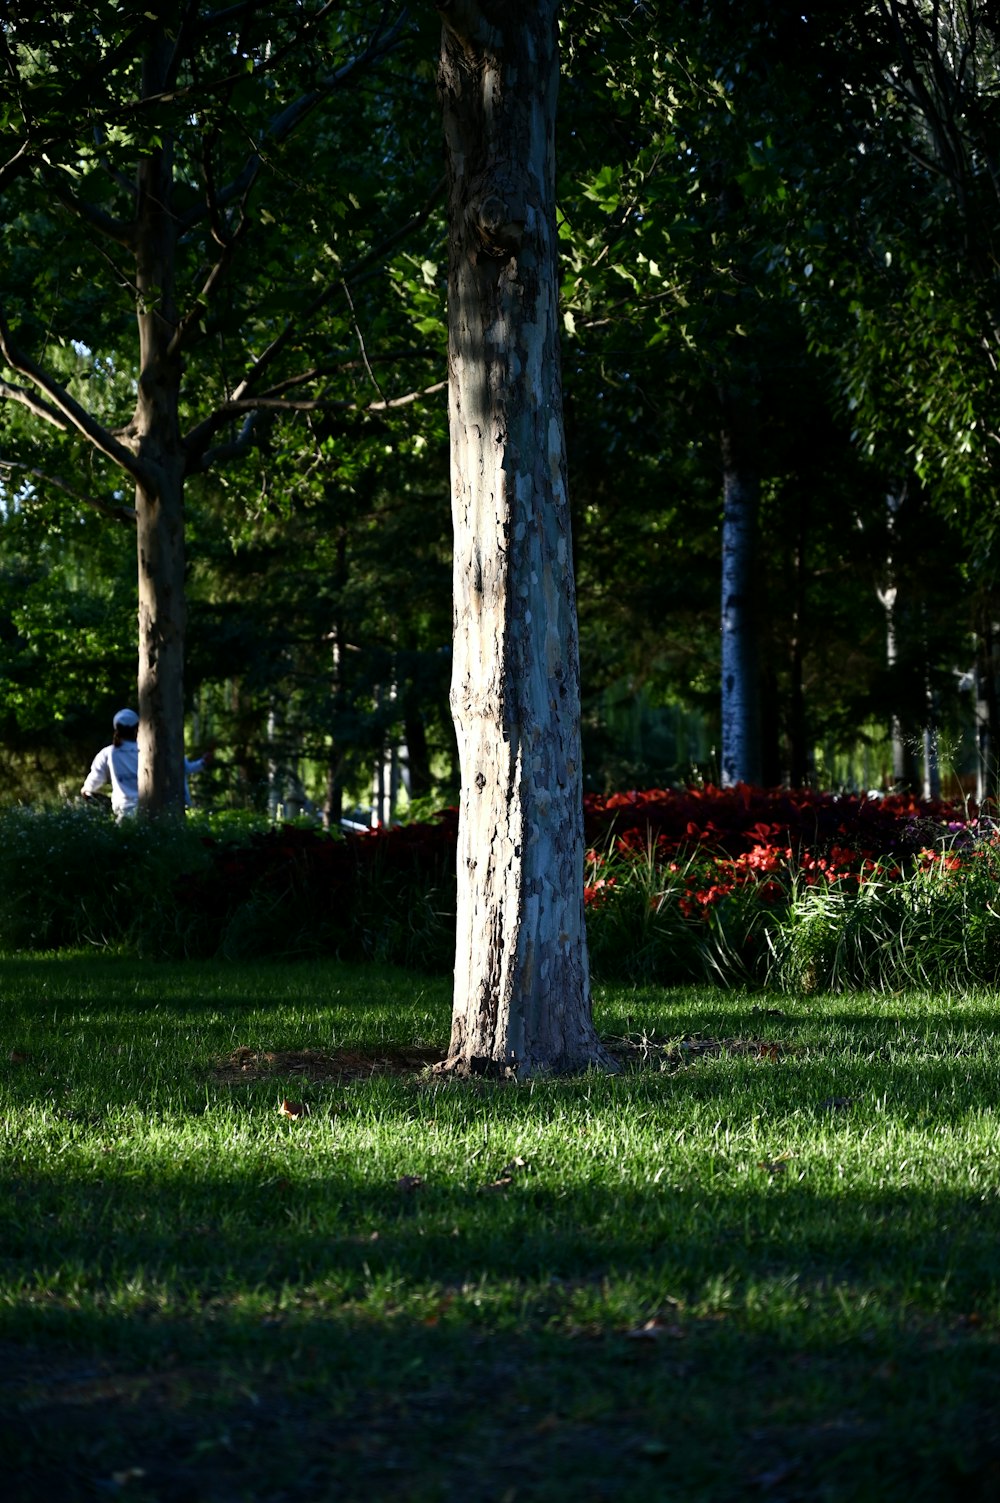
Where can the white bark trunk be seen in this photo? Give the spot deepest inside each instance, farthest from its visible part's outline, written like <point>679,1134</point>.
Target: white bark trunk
<point>522,997</point>
<point>741,755</point>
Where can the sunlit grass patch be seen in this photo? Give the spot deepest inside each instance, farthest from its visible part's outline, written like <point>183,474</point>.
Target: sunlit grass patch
<point>769,1242</point>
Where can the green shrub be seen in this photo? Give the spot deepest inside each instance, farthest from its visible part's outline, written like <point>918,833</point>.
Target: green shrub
<point>73,878</point>
<point>204,886</point>
<point>810,919</point>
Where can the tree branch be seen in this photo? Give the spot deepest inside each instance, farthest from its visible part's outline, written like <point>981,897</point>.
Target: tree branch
<point>203,459</point>
<point>361,341</point>
<point>287,120</point>
<point>212,281</point>
<point>374,257</point>
<point>125,515</point>
<point>930,105</point>
<point>60,405</point>
<point>113,229</point>
<point>412,396</point>
<point>207,459</point>
<point>34,404</point>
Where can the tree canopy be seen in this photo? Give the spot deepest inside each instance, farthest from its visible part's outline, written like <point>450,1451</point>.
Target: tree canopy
<point>792,209</point>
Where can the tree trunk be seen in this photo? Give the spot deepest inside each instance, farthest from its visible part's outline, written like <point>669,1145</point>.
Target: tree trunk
<point>522,993</point>
<point>741,750</point>
<point>799,752</point>
<point>929,738</point>
<point>333,804</point>
<point>905,772</point>
<point>159,505</point>
<point>418,759</point>
<point>986,708</point>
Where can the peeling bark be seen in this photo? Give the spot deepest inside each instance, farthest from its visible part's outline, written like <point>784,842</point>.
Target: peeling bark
<point>522,994</point>
<point>741,741</point>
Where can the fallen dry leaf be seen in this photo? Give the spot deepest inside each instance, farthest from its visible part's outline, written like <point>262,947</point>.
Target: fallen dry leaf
<point>653,1329</point>
<point>17,1058</point>
<point>293,1109</point>
<point>776,1166</point>
<point>506,1177</point>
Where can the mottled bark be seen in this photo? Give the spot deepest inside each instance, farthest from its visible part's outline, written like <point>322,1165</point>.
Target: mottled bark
<point>522,996</point>
<point>985,682</point>
<point>799,751</point>
<point>741,745</point>
<point>902,722</point>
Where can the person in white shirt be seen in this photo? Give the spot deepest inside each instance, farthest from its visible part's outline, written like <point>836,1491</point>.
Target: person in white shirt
<point>191,766</point>
<point>118,764</point>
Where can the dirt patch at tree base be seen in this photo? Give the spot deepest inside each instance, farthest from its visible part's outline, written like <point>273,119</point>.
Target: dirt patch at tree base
<point>246,1066</point>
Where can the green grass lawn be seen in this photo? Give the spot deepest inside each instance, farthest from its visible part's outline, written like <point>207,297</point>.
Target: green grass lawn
<point>761,1262</point>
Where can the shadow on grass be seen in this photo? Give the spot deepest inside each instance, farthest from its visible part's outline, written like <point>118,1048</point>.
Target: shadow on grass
<point>311,1326</point>
<point>751,1231</point>
<point>323,1406</point>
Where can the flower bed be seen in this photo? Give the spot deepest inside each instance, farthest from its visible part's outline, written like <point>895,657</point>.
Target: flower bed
<point>742,882</point>
<point>735,821</point>
<point>793,890</point>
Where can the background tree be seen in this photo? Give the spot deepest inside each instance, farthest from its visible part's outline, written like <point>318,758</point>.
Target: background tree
<point>321,624</point>
<point>702,174</point>
<point>154,135</point>
<point>67,641</point>
<point>753,210</point>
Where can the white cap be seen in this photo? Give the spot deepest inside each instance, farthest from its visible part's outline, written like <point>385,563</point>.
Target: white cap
<point>126,717</point>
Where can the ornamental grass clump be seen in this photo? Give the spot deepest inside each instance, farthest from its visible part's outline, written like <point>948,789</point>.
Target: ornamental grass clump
<point>691,919</point>
<point>637,930</point>
<point>933,922</point>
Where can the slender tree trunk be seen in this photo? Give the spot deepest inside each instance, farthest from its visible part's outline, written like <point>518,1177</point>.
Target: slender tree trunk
<point>522,994</point>
<point>741,745</point>
<point>799,760</point>
<point>905,771</point>
<point>929,738</point>
<point>417,752</point>
<point>333,804</point>
<point>159,506</point>
<point>333,801</point>
<point>986,709</point>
